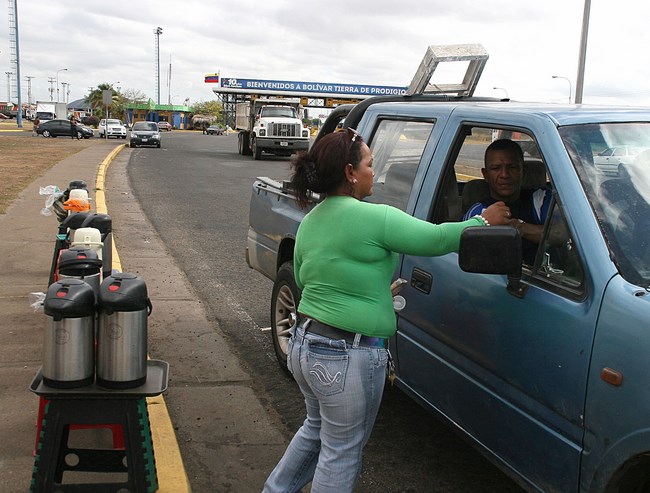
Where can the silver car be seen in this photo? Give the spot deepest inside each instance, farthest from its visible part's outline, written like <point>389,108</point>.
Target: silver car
<point>610,160</point>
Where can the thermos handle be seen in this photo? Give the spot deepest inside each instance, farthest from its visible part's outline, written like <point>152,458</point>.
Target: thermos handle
<point>150,306</point>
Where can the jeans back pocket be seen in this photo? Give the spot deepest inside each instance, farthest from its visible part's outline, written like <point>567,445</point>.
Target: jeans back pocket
<point>328,368</point>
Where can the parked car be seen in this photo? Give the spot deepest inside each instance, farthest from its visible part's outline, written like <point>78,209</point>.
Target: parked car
<point>61,128</point>
<point>115,128</point>
<point>144,134</point>
<point>215,129</point>
<point>165,126</point>
<point>86,131</point>
<point>610,160</point>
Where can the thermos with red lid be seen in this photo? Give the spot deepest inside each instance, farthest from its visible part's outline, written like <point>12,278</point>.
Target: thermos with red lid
<point>123,307</point>
<point>81,263</point>
<point>69,338</point>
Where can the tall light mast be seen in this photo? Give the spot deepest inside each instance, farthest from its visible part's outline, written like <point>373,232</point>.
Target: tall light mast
<point>157,32</point>
<point>15,58</point>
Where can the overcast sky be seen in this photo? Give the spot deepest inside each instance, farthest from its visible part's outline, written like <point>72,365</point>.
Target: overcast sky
<point>378,42</point>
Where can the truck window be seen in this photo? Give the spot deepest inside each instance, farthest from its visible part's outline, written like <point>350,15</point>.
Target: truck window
<point>463,187</point>
<point>397,147</point>
<point>554,261</point>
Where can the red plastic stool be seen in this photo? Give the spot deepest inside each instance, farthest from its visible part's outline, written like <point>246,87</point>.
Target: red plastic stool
<point>116,429</point>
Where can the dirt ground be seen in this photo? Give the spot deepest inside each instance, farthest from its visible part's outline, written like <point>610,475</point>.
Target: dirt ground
<point>23,157</point>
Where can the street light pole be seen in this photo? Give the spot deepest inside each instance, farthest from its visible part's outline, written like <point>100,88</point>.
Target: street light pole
<point>502,89</point>
<point>29,91</point>
<point>66,90</point>
<point>57,82</point>
<point>570,86</point>
<point>9,74</point>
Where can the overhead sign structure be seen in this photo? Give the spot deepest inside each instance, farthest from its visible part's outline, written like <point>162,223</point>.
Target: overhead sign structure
<point>234,85</point>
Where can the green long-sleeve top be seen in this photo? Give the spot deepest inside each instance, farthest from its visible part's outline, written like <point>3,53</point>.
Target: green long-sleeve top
<point>345,255</point>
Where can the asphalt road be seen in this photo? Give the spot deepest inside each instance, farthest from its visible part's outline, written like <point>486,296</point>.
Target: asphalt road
<point>196,191</point>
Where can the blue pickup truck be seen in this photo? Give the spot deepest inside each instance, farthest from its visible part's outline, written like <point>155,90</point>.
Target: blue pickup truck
<point>545,366</point>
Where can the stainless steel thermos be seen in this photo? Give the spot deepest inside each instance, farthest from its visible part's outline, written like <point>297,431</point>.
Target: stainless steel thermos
<point>122,310</point>
<point>69,338</point>
<point>81,263</point>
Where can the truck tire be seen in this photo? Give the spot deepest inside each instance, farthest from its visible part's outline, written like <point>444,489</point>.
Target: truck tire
<point>284,311</point>
<point>245,143</point>
<point>257,152</point>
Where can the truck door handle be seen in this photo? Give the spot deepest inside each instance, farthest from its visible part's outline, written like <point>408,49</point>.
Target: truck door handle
<point>421,280</point>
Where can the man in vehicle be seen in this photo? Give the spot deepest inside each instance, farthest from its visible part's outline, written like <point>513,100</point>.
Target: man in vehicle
<point>503,173</point>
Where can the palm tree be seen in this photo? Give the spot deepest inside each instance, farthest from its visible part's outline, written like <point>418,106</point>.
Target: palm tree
<point>96,101</point>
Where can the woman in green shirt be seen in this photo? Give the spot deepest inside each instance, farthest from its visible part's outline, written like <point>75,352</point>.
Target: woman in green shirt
<point>346,253</point>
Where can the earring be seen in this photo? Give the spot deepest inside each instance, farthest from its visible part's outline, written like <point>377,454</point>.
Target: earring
<point>354,181</point>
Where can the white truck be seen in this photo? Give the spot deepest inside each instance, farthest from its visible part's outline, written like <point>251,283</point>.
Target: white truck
<point>50,110</point>
<point>270,125</point>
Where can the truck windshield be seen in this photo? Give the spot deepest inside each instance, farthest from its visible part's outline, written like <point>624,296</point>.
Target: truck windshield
<point>278,112</point>
<point>613,163</point>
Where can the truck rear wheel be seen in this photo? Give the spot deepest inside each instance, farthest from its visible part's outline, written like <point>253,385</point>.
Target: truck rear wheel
<point>284,311</point>
<point>244,139</point>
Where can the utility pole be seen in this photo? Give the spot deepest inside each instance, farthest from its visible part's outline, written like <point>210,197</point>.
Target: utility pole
<point>90,91</point>
<point>580,79</point>
<point>157,32</point>
<point>51,80</point>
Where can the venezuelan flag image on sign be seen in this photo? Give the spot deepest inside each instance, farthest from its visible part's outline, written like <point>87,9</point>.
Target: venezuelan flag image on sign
<point>212,78</point>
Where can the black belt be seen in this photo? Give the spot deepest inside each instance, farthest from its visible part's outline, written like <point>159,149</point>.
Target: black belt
<point>321,329</point>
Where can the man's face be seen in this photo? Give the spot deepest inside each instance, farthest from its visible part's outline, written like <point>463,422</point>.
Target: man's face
<point>502,172</point>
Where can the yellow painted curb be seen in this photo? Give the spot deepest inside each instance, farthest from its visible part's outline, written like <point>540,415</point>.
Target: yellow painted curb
<point>172,477</point>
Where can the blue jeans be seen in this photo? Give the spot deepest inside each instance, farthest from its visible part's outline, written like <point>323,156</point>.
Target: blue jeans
<point>342,385</point>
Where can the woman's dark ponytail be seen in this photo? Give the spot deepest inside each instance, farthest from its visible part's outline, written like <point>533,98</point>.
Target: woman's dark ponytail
<point>322,169</point>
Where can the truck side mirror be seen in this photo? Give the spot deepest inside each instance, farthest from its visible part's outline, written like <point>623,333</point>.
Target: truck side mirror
<point>493,250</point>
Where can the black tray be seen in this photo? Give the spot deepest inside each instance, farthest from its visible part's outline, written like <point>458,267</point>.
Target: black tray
<point>156,383</point>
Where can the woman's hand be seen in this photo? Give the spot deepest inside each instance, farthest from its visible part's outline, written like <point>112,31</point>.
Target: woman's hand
<point>497,214</point>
